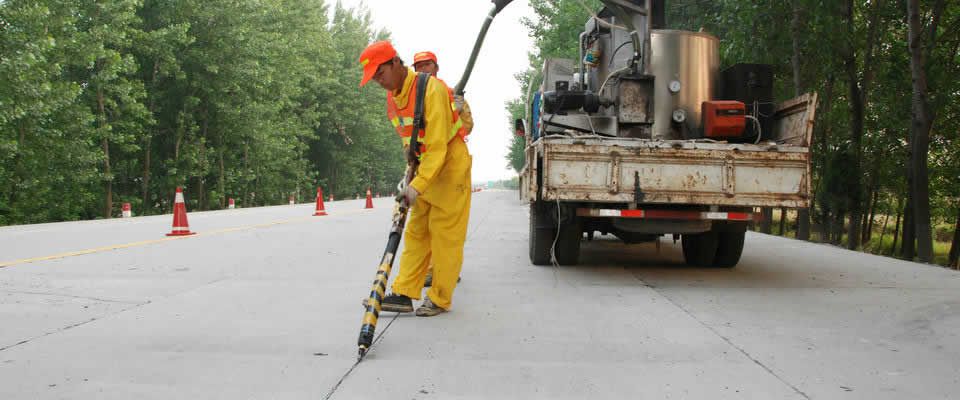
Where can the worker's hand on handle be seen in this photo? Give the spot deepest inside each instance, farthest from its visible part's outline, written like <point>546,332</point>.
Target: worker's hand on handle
<point>410,195</point>
<point>458,102</point>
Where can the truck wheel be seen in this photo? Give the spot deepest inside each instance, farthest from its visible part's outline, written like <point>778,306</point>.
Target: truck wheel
<point>729,249</point>
<point>540,238</point>
<point>568,244</point>
<point>700,249</point>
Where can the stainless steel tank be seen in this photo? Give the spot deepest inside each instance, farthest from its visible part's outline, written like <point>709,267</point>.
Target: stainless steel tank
<point>686,67</point>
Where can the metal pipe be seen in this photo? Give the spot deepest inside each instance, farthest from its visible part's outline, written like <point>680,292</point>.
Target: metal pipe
<point>646,38</point>
<point>621,14</point>
<point>581,81</point>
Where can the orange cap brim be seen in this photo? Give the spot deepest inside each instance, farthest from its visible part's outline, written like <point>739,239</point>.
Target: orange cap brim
<point>368,71</point>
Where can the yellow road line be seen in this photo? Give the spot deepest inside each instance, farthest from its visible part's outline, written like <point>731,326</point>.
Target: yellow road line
<point>166,239</point>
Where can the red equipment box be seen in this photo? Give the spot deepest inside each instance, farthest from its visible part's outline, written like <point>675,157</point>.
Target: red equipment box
<point>723,118</point>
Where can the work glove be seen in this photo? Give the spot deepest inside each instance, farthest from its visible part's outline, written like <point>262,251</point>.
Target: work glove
<point>458,102</point>
<point>410,194</point>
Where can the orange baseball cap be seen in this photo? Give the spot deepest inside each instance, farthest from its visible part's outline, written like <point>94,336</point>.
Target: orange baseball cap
<point>375,54</point>
<point>424,56</point>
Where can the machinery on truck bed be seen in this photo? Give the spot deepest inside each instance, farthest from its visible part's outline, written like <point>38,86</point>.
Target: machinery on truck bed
<point>645,136</point>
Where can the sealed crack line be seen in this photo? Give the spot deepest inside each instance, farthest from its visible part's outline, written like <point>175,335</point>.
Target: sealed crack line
<point>136,306</point>
<point>68,327</point>
<point>69,296</point>
<point>725,339</point>
<point>333,390</point>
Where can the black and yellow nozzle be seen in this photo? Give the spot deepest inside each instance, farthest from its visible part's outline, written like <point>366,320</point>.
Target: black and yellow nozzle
<point>372,312</point>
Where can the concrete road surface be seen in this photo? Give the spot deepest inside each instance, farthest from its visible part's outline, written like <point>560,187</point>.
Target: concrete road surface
<point>265,304</point>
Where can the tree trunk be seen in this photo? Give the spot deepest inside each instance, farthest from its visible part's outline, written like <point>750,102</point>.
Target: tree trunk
<point>838,227</point>
<point>246,166</point>
<point>954,259</point>
<point>856,134</point>
<point>795,25</point>
<point>201,190</point>
<point>872,213</point>
<point>855,96</point>
<point>145,189</point>
<point>921,121</point>
<point>908,249</point>
<point>883,231</point>
<point>896,229</point>
<point>221,184</point>
<point>147,147</point>
<point>18,172</point>
<point>105,144</point>
<point>803,214</point>
<point>821,154</point>
<point>202,161</point>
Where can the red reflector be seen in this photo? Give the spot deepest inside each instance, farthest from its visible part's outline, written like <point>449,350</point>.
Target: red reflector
<point>671,214</point>
<point>632,213</point>
<point>736,216</point>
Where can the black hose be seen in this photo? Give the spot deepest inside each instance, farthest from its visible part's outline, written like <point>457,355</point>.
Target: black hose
<point>498,5</point>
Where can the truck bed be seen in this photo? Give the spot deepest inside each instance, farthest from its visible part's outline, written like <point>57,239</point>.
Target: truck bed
<point>598,169</point>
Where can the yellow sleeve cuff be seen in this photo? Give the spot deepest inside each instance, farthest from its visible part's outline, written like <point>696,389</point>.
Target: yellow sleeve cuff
<point>419,184</point>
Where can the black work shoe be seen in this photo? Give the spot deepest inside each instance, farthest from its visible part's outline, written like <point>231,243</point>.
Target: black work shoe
<point>396,303</point>
<point>428,309</point>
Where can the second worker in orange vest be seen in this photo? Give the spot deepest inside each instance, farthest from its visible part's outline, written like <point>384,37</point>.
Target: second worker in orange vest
<point>426,61</point>
<point>440,193</point>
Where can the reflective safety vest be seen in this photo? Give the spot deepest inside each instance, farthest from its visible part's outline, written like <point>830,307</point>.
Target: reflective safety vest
<point>402,118</point>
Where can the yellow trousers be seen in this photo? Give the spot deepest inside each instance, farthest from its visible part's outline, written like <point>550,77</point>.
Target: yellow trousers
<point>436,230</point>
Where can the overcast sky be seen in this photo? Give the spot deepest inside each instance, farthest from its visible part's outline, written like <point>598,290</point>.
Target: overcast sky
<point>449,29</point>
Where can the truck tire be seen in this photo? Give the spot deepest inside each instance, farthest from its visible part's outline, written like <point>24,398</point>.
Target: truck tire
<point>568,244</point>
<point>729,249</point>
<point>540,238</point>
<point>700,249</point>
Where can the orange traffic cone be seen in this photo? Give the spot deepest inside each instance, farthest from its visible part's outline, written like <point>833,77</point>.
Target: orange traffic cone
<point>180,225</point>
<point>331,197</point>
<point>320,211</point>
<point>369,199</point>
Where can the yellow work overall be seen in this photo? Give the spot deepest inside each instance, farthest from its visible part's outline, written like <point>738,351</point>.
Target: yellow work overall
<point>437,225</point>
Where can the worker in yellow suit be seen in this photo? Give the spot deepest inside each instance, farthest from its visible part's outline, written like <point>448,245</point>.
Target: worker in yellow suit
<point>426,61</point>
<point>440,193</point>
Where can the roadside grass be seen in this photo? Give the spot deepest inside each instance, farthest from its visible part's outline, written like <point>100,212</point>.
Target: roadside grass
<point>876,245</point>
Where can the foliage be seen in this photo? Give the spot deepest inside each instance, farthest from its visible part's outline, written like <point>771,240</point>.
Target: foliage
<point>838,46</point>
<point>109,102</point>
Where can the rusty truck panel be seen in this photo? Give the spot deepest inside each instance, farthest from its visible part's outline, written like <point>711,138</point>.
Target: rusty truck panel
<point>597,169</point>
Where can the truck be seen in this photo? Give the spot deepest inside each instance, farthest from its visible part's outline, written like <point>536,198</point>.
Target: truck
<point>645,136</point>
